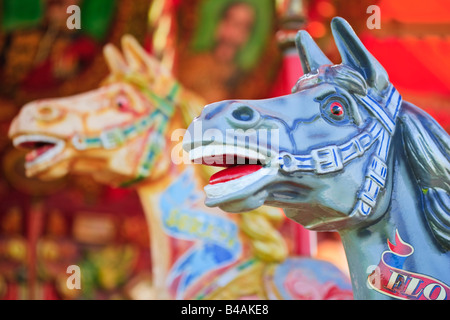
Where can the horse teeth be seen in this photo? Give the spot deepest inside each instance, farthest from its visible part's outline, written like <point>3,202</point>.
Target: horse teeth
<point>198,154</point>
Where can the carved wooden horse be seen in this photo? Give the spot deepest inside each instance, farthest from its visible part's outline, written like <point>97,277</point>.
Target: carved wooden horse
<point>351,156</point>
<point>120,134</point>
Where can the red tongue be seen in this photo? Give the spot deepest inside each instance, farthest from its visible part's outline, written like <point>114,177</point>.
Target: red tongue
<point>233,173</point>
<point>37,152</point>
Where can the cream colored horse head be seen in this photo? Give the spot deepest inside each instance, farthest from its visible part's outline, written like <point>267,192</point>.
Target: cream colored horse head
<point>115,133</point>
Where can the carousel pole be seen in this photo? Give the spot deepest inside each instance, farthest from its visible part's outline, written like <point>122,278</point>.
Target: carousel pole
<point>291,18</point>
<point>161,42</point>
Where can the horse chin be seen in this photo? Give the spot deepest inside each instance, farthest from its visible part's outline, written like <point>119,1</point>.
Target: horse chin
<point>51,171</point>
<point>316,218</point>
<point>45,155</point>
<point>244,204</point>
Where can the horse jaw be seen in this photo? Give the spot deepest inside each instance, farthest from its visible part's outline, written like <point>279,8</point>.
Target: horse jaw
<point>50,172</point>
<point>47,158</point>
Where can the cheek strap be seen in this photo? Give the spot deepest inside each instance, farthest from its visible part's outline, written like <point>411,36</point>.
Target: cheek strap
<point>334,158</point>
<point>331,158</point>
<point>155,124</point>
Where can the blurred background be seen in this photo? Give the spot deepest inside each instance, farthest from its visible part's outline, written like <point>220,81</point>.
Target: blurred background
<point>219,53</point>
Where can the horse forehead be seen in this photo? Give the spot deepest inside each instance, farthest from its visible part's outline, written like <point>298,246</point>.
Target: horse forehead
<point>87,102</point>
<point>81,103</point>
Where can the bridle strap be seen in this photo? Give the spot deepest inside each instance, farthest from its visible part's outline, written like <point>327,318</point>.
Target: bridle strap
<point>155,123</point>
<point>115,137</point>
<point>331,158</point>
<point>334,158</point>
<point>376,172</point>
<point>164,104</point>
<point>153,147</point>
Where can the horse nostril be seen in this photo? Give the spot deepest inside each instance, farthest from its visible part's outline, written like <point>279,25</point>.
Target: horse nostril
<point>48,113</point>
<point>243,113</point>
<point>45,111</point>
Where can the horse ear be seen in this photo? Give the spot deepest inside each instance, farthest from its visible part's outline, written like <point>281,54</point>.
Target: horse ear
<point>310,54</point>
<point>135,54</point>
<point>138,59</point>
<point>114,60</point>
<point>355,55</point>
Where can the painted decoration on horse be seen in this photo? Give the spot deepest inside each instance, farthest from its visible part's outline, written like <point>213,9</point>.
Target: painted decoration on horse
<point>120,134</point>
<point>348,155</point>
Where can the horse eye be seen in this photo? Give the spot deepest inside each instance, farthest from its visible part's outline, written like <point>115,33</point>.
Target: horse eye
<point>336,109</point>
<point>122,103</point>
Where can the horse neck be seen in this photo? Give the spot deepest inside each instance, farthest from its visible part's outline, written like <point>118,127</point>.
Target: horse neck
<point>404,214</point>
<point>161,244</point>
<point>150,189</point>
<point>159,241</point>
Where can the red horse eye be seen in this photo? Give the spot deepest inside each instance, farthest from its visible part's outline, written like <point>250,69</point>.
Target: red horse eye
<point>123,103</point>
<point>336,109</point>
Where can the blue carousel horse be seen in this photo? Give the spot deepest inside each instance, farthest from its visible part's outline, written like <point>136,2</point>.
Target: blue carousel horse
<point>342,153</point>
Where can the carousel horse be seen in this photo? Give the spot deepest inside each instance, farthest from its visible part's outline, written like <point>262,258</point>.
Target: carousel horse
<point>119,134</point>
<point>351,156</point>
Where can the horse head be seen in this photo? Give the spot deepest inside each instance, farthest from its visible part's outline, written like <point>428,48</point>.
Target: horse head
<point>115,132</point>
<point>328,158</point>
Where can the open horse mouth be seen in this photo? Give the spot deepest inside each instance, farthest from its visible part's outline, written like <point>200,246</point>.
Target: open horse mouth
<point>43,149</point>
<point>243,167</point>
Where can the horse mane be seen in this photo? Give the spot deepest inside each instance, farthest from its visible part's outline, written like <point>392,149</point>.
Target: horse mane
<point>427,147</point>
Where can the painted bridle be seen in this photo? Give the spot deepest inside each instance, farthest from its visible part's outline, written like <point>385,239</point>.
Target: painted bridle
<point>155,123</point>
<point>334,158</point>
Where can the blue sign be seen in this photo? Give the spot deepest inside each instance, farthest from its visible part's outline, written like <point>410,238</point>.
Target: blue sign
<point>216,237</point>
